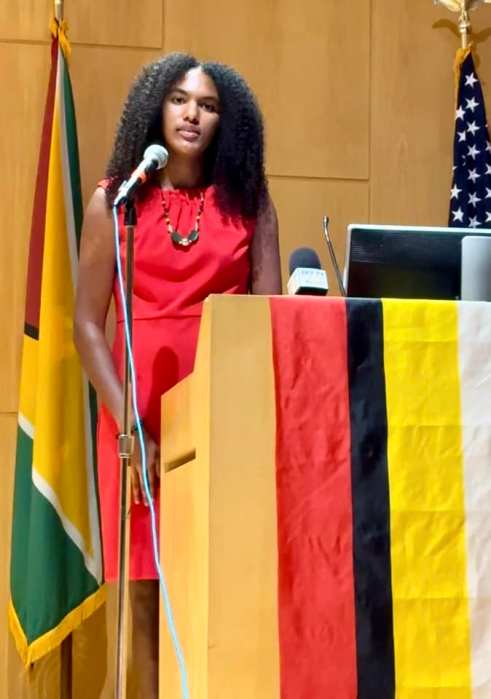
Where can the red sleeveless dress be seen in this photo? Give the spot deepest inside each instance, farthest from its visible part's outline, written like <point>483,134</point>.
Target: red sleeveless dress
<point>170,284</point>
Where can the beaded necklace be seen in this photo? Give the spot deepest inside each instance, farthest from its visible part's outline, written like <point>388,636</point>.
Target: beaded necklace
<point>176,237</point>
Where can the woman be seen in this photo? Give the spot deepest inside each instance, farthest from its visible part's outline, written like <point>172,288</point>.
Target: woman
<point>214,184</point>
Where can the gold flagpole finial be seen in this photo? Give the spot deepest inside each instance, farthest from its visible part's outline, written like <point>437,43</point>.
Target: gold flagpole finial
<point>59,10</point>
<point>463,7</point>
<point>464,28</point>
<point>59,28</point>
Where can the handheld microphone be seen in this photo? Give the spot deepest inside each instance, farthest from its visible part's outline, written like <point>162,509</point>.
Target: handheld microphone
<point>155,158</point>
<point>306,276</point>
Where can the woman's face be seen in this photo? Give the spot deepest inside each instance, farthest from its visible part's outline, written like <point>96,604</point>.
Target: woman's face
<point>190,114</point>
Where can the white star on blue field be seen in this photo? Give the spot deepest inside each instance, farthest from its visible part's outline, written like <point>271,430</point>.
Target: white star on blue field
<point>470,195</point>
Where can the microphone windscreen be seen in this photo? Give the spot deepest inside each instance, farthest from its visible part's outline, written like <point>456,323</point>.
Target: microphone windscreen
<point>304,257</point>
<point>158,153</point>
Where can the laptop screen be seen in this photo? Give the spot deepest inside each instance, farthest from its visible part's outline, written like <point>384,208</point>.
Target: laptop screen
<point>404,262</point>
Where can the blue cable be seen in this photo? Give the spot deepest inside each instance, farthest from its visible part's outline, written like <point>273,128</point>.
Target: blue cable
<point>163,585</point>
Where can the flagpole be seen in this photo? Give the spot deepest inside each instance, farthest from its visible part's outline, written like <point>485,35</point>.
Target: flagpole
<point>463,7</point>
<point>125,450</point>
<point>465,28</point>
<point>66,647</point>
<point>59,10</point>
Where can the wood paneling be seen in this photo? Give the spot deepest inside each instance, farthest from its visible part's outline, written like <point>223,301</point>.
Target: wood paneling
<point>94,655</point>
<point>220,551</point>
<point>25,71</point>
<point>25,21</point>
<point>121,23</point>
<point>125,23</point>
<point>40,681</point>
<point>101,80</point>
<point>411,145</point>
<point>412,100</point>
<point>301,205</point>
<point>308,64</point>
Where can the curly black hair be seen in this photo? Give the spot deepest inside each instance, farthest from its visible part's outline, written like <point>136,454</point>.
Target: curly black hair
<point>234,161</point>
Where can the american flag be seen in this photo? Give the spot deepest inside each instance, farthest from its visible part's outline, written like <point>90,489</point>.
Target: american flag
<point>470,196</point>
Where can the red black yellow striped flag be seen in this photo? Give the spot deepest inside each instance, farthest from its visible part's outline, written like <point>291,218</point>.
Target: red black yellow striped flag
<point>383,419</point>
<point>56,562</point>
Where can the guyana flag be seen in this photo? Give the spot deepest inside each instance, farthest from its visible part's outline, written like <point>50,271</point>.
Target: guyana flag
<point>383,453</point>
<point>56,565</point>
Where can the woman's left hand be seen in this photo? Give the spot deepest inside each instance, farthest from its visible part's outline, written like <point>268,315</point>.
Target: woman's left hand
<point>152,453</point>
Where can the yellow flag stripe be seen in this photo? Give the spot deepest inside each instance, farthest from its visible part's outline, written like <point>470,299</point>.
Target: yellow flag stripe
<point>93,512</point>
<point>475,368</point>
<point>27,395</point>
<point>60,449</point>
<point>428,546</point>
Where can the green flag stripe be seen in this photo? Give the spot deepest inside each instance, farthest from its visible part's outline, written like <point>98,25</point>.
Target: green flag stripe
<point>40,544</point>
<point>21,510</point>
<point>70,126</point>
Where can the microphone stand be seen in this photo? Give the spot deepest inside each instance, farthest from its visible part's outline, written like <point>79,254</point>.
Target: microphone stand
<point>125,451</point>
<point>332,254</point>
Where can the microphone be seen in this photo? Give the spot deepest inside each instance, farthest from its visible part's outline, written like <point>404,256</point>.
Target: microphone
<point>155,158</point>
<point>306,276</point>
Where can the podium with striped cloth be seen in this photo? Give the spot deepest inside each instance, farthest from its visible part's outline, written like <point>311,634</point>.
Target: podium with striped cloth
<point>326,497</point>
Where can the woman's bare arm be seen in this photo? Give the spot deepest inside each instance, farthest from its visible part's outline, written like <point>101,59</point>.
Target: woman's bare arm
<point>94,288</point>
<point>265,253</point>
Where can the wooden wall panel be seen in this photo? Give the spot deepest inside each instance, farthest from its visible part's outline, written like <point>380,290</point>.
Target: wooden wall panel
<point>94,649</point>
<point>40,681</point>
<point>301,204</point>
<point>25,21</point>
<point>125,23</point>
<point>21,109</point>
<point>122,23</point>
<point>412,98</point>
<point>309,65</point>
<point>101,80</point>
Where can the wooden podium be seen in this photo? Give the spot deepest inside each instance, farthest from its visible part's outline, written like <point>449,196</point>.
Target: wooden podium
<point>218,514</point>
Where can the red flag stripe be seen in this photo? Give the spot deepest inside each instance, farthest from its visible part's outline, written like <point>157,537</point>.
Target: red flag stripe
<point>313,453</point>
<point>35,265</point>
